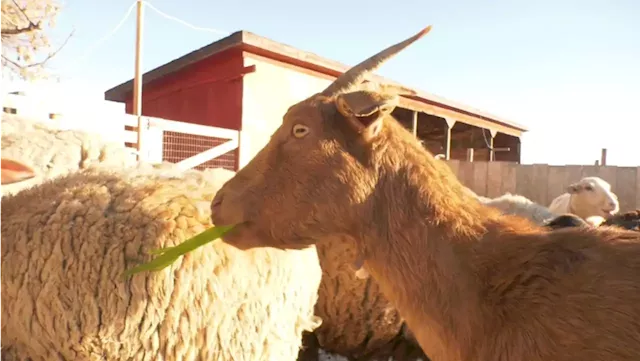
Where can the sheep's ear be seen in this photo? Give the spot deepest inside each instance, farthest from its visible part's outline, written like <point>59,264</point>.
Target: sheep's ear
<point>574,188</point>
<point>365,110</point>
<point>14,171</point>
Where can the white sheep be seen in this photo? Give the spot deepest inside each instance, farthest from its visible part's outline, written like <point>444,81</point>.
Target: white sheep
<point>519,205</point>
<point>53,152</point>
<point>66,242</point>
<point>590,196</point>
<point>515,204</point>
<point>132,210</point>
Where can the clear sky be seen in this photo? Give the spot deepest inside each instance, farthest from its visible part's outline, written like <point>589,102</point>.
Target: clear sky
<point>568,70</point>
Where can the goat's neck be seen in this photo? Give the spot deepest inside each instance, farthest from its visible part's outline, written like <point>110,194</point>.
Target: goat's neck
<point>419,246</point>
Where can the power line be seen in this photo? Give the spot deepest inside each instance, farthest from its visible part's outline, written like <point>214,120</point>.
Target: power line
<point>106,36</point>
<point>199,28</point>
<point>124,18</point>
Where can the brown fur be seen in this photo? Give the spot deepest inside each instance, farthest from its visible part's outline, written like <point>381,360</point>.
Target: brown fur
<point>566,220</point>
<point>471,283</point>
<point>629,220</point>
<point>358,321</point>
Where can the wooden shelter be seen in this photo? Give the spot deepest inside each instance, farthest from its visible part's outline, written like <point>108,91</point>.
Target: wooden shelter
<point>246,82</point>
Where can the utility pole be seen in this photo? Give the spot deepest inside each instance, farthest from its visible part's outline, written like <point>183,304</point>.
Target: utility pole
<point>603,157</point>
<point>137,78</point>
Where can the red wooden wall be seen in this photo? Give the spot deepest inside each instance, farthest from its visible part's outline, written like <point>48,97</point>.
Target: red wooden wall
<point>207,93</point>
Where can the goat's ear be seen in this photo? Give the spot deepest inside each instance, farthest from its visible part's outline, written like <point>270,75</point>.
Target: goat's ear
<point>574,188</point>
<point>365,110</point>
<point>14,171</point>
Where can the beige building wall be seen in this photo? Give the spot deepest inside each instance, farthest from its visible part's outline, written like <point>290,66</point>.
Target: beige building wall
<point>267,94</point>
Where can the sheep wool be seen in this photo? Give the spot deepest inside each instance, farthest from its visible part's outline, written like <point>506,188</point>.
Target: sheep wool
<point>515,204</point>
<point>53,152</point>
<point>66,242</point>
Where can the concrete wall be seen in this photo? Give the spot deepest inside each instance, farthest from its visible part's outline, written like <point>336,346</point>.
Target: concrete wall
<point>267,94</point>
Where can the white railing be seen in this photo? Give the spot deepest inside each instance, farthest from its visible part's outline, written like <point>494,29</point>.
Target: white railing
<point>158,128</point>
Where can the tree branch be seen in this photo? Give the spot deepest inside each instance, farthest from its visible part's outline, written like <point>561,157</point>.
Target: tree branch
<point>5,58</point>
<point>23,12</point>
<point>24,37</point>
<point>21,30</point>
<point>51,55</point>
<point>17,31</point>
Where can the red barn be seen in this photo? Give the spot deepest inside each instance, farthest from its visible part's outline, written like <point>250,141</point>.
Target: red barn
<point>246,82</point>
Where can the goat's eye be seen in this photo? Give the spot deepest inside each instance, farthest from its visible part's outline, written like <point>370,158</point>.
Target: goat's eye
<point>589,188</point>
<point>300,131</point>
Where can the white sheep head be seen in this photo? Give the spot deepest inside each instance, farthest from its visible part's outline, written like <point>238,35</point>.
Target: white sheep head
<point>592,196</point>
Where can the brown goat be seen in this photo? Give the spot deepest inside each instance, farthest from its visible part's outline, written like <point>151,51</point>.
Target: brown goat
<point>472,284</point>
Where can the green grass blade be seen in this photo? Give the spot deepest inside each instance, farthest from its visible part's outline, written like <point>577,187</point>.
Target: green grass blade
<point>156,264</point>
<point>168,255</point>
<point>201,239</point>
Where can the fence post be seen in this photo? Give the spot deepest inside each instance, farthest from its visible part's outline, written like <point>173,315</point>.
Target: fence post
<point>603,157</point>
<point>243,153</point>
<point>414,124</point>
<point>469,154</point>
<point>153,142</point>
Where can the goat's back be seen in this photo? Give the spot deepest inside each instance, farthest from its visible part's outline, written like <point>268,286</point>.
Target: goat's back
<point>569,294</point>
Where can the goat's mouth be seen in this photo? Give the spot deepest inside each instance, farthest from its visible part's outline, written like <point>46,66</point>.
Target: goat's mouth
<point>243,236</point>
<point>247,235</point>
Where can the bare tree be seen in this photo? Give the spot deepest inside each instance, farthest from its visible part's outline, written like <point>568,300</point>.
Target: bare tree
<point>25,45</point>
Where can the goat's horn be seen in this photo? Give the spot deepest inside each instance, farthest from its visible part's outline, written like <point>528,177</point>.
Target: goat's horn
<point>356,74</point>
